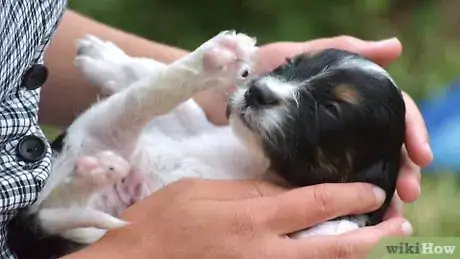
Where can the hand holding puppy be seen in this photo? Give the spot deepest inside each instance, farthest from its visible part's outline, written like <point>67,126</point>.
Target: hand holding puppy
<point>244,219</point>
<point>417,152</point>
<point>249,219</point>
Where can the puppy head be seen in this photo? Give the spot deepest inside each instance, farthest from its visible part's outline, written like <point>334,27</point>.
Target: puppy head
<point>312,117</point>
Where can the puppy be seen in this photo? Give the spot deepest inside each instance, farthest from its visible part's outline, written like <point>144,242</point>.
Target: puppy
<point>326,117</point>
<point>331,116</point>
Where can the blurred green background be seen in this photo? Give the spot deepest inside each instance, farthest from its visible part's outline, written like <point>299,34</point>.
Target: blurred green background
<point>428,30</point>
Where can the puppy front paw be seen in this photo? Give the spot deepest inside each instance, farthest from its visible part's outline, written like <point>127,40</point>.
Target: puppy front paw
<point>226,59</point>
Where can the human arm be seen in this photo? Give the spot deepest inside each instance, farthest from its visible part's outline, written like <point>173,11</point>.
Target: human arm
<point>244,219</point>
<point>66,92</point>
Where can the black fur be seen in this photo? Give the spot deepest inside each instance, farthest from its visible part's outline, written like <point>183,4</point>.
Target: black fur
<point>58,143</point>
<point>329,140</point>
<point>27,241</point>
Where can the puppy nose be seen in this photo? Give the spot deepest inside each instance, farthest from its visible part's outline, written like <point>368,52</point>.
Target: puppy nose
<point>260,95</point>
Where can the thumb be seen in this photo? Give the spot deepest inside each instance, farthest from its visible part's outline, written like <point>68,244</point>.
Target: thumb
<point>304,207</point>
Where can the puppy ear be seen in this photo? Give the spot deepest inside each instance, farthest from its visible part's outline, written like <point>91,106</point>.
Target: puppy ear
<point>339,107</point>
<point>346,93</point>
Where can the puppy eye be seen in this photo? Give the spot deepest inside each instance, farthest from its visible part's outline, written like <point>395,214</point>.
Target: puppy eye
<point>245,74</point>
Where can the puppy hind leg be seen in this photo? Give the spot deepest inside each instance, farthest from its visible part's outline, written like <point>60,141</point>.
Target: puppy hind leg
<point>83,235</point>
<point>103,169</point>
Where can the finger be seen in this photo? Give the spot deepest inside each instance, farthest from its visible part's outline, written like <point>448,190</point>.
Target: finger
<point>409,178</point>
<point>396,208</point>
<point>303,207</point>
<point>381,52</point>
<point>408,167</point>
<point>226,190</point>
<point>417,138</point>
<point>354,244</point>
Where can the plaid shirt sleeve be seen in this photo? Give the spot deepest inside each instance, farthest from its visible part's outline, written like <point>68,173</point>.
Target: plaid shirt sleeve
<point>26,27</point>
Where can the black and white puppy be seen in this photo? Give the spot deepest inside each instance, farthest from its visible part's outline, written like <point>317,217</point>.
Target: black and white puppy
<point>331,116</point>
<point>327,117</point>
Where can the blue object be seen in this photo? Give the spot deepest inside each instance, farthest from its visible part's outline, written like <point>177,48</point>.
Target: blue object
<point>442,117</point>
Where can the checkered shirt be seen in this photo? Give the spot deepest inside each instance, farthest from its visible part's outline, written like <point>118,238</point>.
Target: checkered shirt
<point>26,27</point>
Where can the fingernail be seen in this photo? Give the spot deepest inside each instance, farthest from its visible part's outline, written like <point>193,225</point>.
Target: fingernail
<point>407,228</point>
<point>418,190</point>
<point>379,194</point>
<point>385,41</point>
<point>430,152</point>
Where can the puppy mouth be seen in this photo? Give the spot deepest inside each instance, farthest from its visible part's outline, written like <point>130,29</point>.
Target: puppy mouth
<point>250,115</point>
<point>252,103</point>
<point>228,110</point>
<point>237,107</point>
<point>241,111</point>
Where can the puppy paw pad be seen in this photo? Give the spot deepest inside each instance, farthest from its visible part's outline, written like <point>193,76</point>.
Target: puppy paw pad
<point>102,169</point>
<point>230,53</point>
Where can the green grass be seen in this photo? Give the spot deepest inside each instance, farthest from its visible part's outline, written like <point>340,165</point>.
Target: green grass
<point>437,211</point>
<point>50,132</point>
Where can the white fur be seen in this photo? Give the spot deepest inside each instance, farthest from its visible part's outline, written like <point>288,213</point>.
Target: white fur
<point>268,121</point>
<point>284,90</point>
<point>328,228</point>
<point>150,120</point>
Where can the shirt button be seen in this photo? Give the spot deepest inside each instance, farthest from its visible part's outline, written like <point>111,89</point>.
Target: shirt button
<point>35,77</point>
<point>31,148</point>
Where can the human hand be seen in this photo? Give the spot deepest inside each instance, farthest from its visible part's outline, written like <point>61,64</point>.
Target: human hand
<point>416,152</point>
<point>244,219</point>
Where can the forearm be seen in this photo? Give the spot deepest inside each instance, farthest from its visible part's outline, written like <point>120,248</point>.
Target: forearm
<point>66,93</point>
